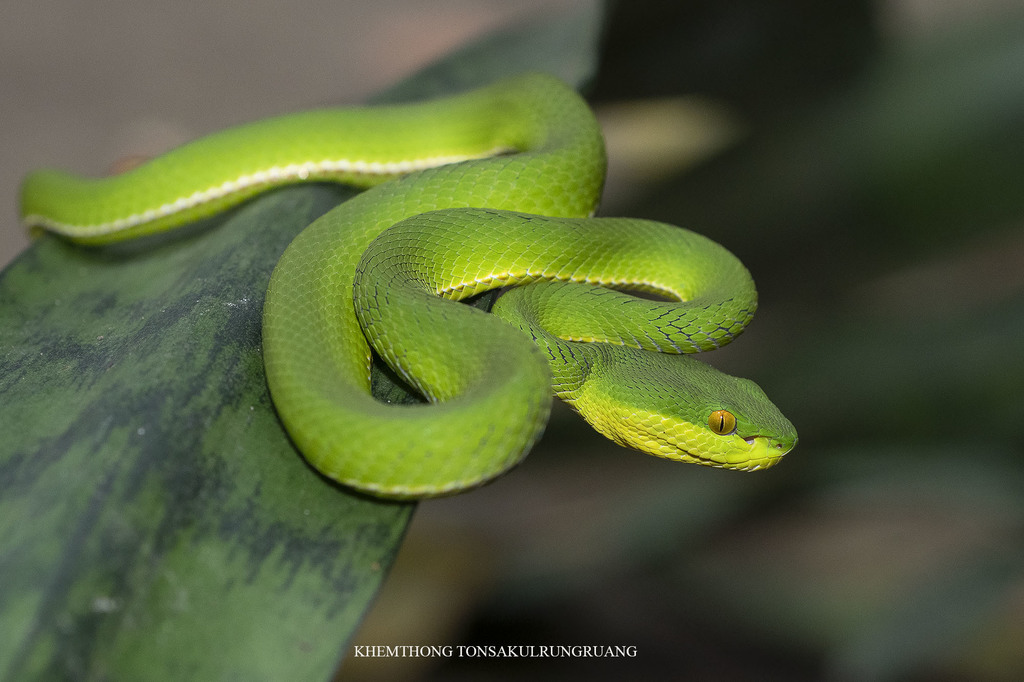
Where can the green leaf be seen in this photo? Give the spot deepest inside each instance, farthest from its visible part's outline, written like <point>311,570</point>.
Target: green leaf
<point>155,521</point>
<point>151,502</point>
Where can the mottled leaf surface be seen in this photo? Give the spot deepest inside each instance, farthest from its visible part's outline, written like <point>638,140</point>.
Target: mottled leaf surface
<point>154,512</point>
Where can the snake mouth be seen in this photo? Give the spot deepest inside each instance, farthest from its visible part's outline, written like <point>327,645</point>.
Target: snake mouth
<point>765,452</point>
<point>769,443</point>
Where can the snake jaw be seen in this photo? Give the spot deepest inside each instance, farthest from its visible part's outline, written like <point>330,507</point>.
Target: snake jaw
<point>765,451</point>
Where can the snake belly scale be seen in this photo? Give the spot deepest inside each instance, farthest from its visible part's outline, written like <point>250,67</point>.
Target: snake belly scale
<point>488,189</point>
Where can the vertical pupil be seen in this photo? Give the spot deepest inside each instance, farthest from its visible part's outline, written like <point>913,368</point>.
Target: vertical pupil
<point>721,422</point>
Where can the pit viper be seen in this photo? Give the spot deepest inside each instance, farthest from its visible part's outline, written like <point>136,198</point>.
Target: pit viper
<point>492,188</point>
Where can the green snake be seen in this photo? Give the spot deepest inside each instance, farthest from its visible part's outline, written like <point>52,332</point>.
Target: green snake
<point>455,193</point>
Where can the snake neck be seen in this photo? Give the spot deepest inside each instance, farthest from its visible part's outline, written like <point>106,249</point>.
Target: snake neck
<point>570,363</point>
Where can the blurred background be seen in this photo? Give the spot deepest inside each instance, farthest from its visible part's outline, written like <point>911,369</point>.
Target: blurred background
<point>864,159</point>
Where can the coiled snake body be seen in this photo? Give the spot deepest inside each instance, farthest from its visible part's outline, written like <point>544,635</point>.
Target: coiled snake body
<point>457,188</point>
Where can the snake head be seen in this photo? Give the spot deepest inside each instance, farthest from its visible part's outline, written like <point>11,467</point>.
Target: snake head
<point>679,408</point>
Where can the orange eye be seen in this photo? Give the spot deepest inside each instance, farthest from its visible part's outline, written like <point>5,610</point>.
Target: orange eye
<point>722,422</point>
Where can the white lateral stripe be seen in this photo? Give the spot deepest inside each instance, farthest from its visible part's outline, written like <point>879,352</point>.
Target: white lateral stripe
<point>269,176</point>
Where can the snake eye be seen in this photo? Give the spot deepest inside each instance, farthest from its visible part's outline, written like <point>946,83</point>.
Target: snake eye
<point>722,422</point>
